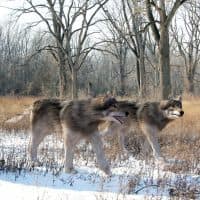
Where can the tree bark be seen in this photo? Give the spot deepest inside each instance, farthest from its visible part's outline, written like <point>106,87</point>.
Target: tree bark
<point>142,91</point>
<point>191,85</point>
<point>122,60</point>
<point>62,81</point>
<point>122,80</point>
<point>62,74</point>
<point>161,36</point>
<point>138,74</point>
<point>164,63</point>
<point>74,84</point>
<point>190,78</point>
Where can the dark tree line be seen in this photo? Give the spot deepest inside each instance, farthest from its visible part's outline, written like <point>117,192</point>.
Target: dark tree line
<point>126,47</point>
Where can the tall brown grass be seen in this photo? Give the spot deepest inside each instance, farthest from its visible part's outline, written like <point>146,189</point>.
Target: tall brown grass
<point>11,106</point>
<point>180,139</point>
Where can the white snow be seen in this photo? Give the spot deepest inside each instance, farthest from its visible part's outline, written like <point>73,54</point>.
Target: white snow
<point>131,179</point>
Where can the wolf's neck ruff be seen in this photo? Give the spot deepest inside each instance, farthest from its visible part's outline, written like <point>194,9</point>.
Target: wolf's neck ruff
<point>85,115</point>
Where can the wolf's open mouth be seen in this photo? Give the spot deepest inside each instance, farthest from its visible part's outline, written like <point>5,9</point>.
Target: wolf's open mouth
<point>174,114</point>
<point>177,114</point>
<point>120,119</point>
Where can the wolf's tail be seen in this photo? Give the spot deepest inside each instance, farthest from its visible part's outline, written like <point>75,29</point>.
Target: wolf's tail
<point>19,117</point>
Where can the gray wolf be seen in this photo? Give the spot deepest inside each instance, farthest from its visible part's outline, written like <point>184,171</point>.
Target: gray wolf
<point>76,120</point>
<point>150,118</point>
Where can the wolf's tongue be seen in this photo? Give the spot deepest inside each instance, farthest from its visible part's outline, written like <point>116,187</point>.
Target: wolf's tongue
<point>119,119</point>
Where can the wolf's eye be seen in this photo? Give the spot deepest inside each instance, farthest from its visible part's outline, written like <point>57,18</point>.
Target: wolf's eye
<point>179,105</point>
<point>114,105</point>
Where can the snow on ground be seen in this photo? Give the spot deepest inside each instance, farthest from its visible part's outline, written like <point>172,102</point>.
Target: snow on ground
<point>131,179</point>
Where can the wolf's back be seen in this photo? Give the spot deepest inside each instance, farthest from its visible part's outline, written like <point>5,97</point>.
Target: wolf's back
<point>46,108</point>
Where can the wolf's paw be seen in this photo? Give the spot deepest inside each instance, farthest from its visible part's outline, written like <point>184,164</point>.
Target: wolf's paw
<point>176,161</point>
<point>70,170</point>
<point>33,164</point>
<point>161,162</point>
<point>170,164</point>
<point>107,170</point>
<point>175,165</point>
<point>123,156</point>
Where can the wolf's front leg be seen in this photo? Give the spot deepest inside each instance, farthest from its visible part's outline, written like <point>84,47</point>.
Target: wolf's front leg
<point>123,152</point>
<point>152,136</point>
<point>97,146</point>
<point>70,141</point>
<point>37,135</point>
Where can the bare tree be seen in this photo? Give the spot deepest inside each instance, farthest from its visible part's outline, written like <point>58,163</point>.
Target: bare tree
<point>13,47</point>
<point>187,40</point>
<point>131,27</point>
<point>116,46</point>
<point>22,71</point>
<point>161,36</point>
<point>69,22</point>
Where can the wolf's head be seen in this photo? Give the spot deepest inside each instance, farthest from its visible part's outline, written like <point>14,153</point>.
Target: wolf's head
<point>111,110</point>
<point>172,108</point>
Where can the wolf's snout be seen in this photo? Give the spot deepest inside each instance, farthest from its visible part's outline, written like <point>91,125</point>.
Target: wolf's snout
<point>126,113</point>
<point>182,112</point>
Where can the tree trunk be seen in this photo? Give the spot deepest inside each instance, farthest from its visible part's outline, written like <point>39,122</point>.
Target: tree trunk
<point>161,36</point>
<point>164,63</point>
<point>142,91</point>
<point>74,84</point>
<point>62,75</point>
<point>138,74</point>
<point>189,82</point>
<point>141,74</point>
<point>62,80</point>
<point>191,86</point>
<point>122,79</point>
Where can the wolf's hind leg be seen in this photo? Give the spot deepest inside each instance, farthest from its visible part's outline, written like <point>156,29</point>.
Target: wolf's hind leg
<point>70,141</point>
<point>97,146</point>
<point>36,138</point>
<point>123,152</point>
<point>152,136</point>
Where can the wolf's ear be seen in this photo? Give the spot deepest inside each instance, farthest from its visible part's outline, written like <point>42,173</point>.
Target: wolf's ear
<point>109,101</point>
<point>164,104</point>
<point>179,98</point>
<point>170,97</point>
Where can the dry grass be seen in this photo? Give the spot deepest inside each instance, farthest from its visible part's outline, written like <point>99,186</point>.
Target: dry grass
<point>180,139</point>
<point>11,106</point>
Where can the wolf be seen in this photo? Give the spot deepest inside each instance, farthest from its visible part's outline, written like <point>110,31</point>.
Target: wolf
<point>75,120</point>
<point>149,118</point>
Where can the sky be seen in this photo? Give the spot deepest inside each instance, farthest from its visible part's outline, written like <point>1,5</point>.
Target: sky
<point>4,13</point>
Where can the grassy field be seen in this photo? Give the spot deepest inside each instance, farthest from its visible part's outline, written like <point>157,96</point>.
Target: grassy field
<point>180,139</point>
<point>11,106</point>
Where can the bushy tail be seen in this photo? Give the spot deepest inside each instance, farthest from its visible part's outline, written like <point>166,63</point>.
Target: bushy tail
<point>19,117</point>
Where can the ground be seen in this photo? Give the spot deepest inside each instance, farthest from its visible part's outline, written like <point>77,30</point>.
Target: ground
<point>131,179</point>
